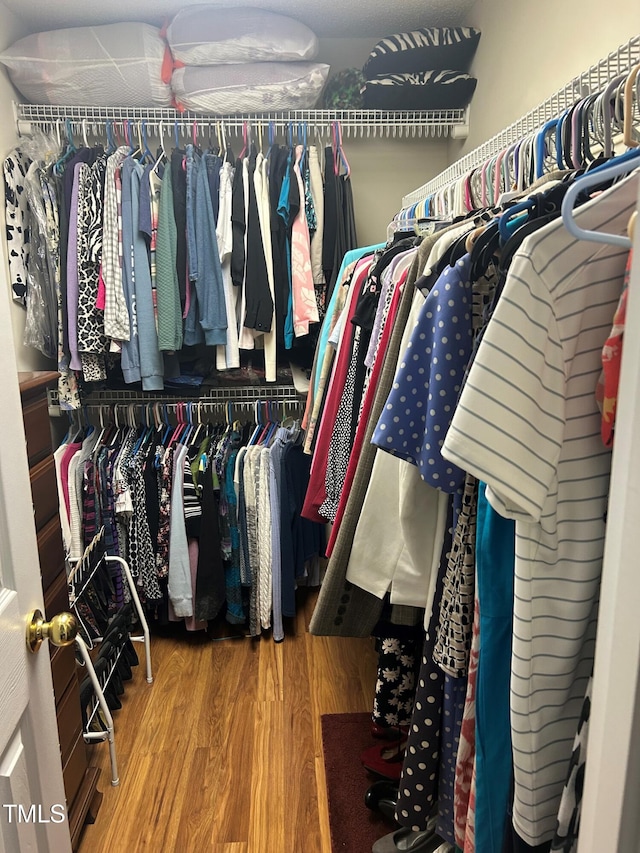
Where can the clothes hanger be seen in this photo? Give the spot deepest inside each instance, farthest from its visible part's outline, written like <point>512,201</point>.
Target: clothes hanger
<point>628,137</point>
<point>69,151</point>
<point>542,147</point>
<point>147,156</point>
<point>245,137</point>
<point>622,165</point>
<point>163,151</point>
<point>339,152</point>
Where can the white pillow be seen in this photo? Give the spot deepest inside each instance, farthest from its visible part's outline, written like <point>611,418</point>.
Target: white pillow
<point>249,87</point>
<point>209,35</point>
<point>107,66</point>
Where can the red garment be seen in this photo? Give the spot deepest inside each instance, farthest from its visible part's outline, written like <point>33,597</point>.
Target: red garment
<point>366,411</point>
<point>607,388</point>
<point>316,490</point>
<point>464,805</point>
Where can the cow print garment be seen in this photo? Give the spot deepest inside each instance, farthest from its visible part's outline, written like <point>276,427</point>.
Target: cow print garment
<point>17,217</point>
<point>92,342</point>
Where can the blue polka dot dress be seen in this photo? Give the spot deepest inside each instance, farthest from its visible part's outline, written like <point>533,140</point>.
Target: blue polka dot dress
<point>422,401</point>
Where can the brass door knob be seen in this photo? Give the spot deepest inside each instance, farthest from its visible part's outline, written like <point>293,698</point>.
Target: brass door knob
<point>61,630</point>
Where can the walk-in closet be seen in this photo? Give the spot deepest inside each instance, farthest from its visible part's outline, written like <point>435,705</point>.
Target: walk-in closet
<point>317,479</point>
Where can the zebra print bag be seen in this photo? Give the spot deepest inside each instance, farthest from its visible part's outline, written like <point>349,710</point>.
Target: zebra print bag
<point>428,90</point>
<point>437,48</point>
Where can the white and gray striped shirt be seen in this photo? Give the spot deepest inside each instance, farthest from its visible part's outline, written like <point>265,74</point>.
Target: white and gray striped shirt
<point>116,313</point>
<point>528,425</point>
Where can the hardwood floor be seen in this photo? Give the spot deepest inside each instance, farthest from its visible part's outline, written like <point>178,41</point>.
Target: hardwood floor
<point>223,752</point>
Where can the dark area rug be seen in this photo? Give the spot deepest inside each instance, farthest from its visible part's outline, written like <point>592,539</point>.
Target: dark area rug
<point>354,827</point>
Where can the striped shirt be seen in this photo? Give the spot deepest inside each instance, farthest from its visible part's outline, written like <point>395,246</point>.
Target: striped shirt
<point>527,424</point>
<point>116,313</point>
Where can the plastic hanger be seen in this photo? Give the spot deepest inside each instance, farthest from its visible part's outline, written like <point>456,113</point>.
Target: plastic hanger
<point>147,156</point>
<point>620,166</point>
<point>338,153</point>
<point>628,137</point>
<point>503,223</point>
<point>245,138</point>
<point>542,147</point>
<point>559,140</point>
<point>163,152</point>
<point>69,151</point>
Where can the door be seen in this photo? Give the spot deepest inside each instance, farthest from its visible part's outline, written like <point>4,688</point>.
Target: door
<point>32,801</point>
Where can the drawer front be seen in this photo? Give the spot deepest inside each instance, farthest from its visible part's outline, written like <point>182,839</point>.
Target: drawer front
<point>56,598</point>
<point>69,720</point>
<point>63,669</point>
<point>36,426</point>
<point>73,770</point>
<point>44,492</point>
<point>51,552</point>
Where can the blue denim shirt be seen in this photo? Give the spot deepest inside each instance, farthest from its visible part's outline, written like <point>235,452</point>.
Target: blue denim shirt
<point>207,316</point>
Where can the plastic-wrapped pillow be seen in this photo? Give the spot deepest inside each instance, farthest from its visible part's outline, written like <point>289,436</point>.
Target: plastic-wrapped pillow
<point>106,66</point>
<point>437,48</point>
<point>209,35</point>
<point>429,90</point>
<point>250,87</point>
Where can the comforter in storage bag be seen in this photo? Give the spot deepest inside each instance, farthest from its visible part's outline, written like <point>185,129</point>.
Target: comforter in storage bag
<point>249,87</point>
<point>209,35</point>
<point>106,66</point>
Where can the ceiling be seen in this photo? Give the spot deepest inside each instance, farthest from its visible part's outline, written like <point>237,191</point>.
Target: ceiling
<point>327,18</point>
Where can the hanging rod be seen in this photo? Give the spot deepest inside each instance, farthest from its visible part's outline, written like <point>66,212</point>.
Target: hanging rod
<point>355,123</point>
<point>589,82</point>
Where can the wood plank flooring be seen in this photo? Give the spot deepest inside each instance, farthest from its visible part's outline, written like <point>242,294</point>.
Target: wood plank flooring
<point>223,752</point>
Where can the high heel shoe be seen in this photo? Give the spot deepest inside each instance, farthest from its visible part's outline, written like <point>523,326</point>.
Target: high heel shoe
<point>382,797</point>
<point>385,759</point>
<point>388,732</point>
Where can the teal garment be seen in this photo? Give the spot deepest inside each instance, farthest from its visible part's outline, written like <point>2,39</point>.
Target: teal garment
<point>167,292</point>
<point>285,213</point>
<point>350,257</point>
<point>495,567</point>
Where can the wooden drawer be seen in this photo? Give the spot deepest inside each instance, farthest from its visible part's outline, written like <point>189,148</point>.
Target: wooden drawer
<point>44,492</point>
<point>36,426</point>
<point>69,720</point>
<point>56,598</point>
<point>74,769</point>
<point>51,552</point>
<point>63,669</point>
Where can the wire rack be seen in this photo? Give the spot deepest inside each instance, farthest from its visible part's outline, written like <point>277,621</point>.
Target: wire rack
<point>244,395</point>
<point>589,82</point>
<point>354,123</point>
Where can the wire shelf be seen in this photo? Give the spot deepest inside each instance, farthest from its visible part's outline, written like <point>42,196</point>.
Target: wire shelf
<point>354,123</point>
<point>246,394</point>
<point>589,82</point>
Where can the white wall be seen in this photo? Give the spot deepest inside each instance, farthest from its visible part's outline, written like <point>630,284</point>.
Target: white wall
<point>529,50</point>
<point>342,53</point>
<point>27,359</point>
<point>382,172</point>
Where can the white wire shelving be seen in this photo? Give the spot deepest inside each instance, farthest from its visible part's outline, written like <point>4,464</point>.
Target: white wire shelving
<point>589,82</point>
<point>355,124</point>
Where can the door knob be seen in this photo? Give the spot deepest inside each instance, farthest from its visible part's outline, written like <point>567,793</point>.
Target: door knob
<point>61,630</point>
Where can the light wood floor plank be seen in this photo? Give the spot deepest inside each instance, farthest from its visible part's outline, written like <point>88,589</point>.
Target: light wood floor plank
<point>223,752</point>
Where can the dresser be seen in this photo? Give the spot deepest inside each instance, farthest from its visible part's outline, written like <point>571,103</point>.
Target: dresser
<point>80,780</point>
